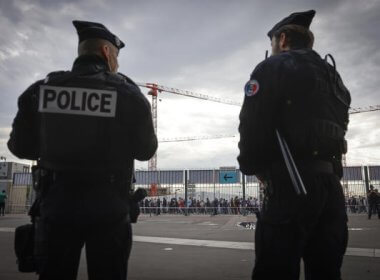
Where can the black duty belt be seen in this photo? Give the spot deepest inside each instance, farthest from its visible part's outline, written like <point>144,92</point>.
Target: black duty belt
<point>313,167</point>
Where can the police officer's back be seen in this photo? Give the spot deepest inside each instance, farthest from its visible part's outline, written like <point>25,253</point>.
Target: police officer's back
<point>296,98</point>
<point>85,127</point>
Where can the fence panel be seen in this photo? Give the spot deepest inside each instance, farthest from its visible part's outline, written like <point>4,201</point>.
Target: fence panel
<point>252,187</point>
<point>353,181</point>
<point>206,189</point>
<point>21,194</point>
<point>374,176</point>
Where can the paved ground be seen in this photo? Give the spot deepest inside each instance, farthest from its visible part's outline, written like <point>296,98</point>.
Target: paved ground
<point>204,247</point>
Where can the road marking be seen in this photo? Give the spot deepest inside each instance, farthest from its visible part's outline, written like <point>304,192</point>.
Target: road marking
<point>195,242</point>
<point>362,252</point>
<point>357,252</point>
<point>208,224</point>
<point>7,229</point>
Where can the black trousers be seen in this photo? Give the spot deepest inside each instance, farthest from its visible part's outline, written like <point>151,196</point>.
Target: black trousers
<point>77,213</point>
<point>2,208</point>
<point>291,228</point>
<point>107,250</point>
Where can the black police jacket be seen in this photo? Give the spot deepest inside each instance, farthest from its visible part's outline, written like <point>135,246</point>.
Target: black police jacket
<point>87,126</point>
<point>373,198</point>
<point>303,97</point>
<point>86,119</point>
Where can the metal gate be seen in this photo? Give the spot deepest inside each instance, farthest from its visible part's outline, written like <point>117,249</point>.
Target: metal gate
<point>20,194</point>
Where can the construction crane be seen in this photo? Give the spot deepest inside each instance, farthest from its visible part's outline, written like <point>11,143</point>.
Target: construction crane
<point>155,89</point>
<point>364,109</point>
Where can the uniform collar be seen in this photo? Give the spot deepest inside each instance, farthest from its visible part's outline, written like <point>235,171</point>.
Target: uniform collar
<point>90,63</point>
<point>300,51</point>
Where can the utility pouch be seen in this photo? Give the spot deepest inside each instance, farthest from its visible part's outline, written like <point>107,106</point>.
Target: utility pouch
<point>134,208</point>
<point>36,175</point>
<point>338,167</point>
<point>24,248</point>
<point>134,213</point>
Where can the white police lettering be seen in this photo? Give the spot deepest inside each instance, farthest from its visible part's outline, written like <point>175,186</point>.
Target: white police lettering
<point>77,101</point>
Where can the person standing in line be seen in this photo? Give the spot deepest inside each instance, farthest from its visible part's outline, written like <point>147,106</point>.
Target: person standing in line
<point>373,202</point>
<point>296,106</point>
<point>164,205</point>
<point>3,198</point>
<point>85,128</point>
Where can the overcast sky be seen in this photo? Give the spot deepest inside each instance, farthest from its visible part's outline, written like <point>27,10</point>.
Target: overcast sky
<point>206,46</point>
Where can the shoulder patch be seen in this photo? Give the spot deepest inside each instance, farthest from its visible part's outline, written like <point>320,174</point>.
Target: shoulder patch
<point>251,88</point>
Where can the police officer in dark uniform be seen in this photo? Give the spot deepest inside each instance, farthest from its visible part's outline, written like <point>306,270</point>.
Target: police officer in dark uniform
<point>373,202</point>
<point>85,127</point>
<point>296,99</point>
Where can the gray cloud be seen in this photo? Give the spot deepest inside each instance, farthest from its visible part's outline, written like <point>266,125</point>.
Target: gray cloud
<point>204,46</point>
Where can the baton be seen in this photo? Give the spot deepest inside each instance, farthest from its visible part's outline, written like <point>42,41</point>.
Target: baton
<point>291,166</point>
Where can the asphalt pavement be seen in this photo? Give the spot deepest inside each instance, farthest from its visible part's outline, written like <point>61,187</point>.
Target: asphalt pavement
<point>203,247</point>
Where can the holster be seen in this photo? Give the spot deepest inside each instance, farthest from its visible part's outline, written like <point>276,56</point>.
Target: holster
<point>134,207</point>
<point>134,211</point>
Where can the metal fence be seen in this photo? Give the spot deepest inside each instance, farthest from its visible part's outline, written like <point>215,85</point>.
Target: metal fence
<point>218,191</point>
<point>20,194</point>
<point>203,186</point>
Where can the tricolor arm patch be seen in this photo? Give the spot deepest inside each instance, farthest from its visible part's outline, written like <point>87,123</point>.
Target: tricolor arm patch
<point>251,88</point>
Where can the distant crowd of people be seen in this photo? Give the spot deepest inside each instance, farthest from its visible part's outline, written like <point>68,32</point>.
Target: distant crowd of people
<point>233,206</point>
<point>362,204</point>
<point>357,204</point>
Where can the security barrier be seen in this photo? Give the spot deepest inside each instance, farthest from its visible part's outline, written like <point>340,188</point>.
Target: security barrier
<point>210,191</point>
<point>220,209</point>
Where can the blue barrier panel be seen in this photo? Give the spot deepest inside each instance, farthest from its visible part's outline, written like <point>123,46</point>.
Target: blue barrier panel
<point>22,179</point>
<point>352,173</point>
<point>227,176</point>
<point>201,176</point>
<point>374,173</point>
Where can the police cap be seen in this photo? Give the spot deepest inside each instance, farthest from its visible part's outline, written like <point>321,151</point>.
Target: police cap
<point>91,30</point>
<point>301,18</point>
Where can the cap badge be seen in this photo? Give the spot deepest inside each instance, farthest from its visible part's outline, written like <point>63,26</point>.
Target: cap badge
<point>117,41</point>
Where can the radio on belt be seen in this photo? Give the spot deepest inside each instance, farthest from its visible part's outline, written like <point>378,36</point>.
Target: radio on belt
<point>77,101</point>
